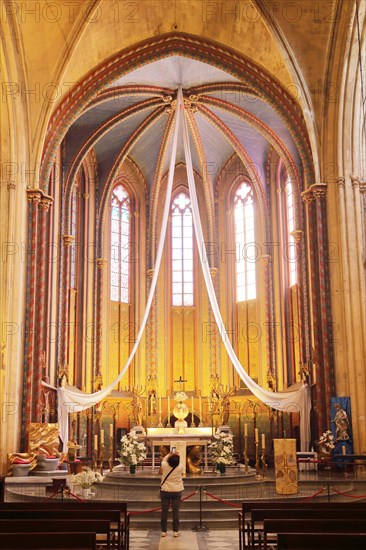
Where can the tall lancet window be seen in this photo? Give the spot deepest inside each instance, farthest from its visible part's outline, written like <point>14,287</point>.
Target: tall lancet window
<point>120,239</point>
<point>245,243</point>
<point>291,255</point>
<point>182,251</point>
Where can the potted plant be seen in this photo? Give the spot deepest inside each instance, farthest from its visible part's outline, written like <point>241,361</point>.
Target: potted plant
<point>132,451</point>
<point>86,479</point>
<point>221,451</point>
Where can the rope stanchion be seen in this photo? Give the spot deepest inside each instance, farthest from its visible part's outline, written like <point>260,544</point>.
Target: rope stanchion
<point>346,495</point>
<point>137,512</point>
<point>222,500</point>
<point>200,526</point>
<point>314,495</point>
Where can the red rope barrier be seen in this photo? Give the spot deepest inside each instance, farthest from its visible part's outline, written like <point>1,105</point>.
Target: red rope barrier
<point>75,496</point>
<point>54,494</point>
<point>346,495</point>
<point>313,496</point>
<point>223,501</point>
<point>137,512</point>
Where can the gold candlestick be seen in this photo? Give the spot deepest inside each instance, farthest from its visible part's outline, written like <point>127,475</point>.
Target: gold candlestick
<point>246,459</point>
<point>264,464</point>
<point>110,461</point>
<point>257,475</point>
<point>95,460</point>
<point>101,455</point>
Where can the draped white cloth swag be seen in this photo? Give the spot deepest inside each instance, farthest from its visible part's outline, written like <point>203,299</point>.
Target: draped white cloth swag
<point>71,401</point>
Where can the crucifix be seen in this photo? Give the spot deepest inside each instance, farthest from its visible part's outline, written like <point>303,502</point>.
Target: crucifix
<point>180,381</point>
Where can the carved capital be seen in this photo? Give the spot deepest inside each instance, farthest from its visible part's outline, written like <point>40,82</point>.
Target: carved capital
<point>341,182</point>
<point>213,271</point>
<point>297,235</point>
<point>46,202</point>
<point>68,239</point>
<point>150,273</point>
<point>266,259</point>
<point>355,180</point>
<point>11,186</point>
<point>34,195</point>
<point>319,189</point>
<point>307,196</point>
<point>101,262</point>
<point>85,195</point>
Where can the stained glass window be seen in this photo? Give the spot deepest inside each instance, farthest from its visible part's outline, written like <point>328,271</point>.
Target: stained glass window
<point>120,237</point>
<point>246,250</point>
<point>182,251</point>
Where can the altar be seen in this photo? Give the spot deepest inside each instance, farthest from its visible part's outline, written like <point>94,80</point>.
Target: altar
<point>157,437</point>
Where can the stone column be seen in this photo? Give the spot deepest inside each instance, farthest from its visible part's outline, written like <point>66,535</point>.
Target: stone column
<point>214,341</point>
<point>40,336</point>
<point>65,283</point>
<point>101,264</point>
<point>33,198</point>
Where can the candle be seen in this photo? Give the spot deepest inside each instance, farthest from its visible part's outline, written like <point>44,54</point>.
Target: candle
<point>343,449</point>
<point>159,404</point>
<point>192,408</point>
<point>110,430</point>
<point>245,430</point>
<point>102,437</point>
<point>256,435</point>
<point>263,441</point>
<point>96,442</point>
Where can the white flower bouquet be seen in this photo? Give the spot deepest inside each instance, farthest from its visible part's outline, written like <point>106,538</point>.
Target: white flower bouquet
<point>221,448</point>
<point>132,451</point>
<point>86,478</point>
<point>326,442</point>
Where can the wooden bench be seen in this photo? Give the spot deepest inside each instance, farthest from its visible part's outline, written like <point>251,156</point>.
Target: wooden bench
<point>248,506</point>
<point>320,541</point>
<point>258,516</point>
<point>275,526</point>
<point>48,541</point>
<point>68,515</point>
<point>100,528</point>
<point>67,504</point>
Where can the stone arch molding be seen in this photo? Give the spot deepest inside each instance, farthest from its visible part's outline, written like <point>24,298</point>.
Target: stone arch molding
<point>259,81</point>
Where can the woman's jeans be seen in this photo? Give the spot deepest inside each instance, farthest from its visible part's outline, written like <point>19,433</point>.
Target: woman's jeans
<point>175,498</point>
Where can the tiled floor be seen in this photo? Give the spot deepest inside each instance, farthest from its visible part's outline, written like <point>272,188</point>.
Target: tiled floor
<point>210,540</point>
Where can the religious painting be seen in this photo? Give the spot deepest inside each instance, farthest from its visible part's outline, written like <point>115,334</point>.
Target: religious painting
<point>285,466</point>
<point>341,425</point>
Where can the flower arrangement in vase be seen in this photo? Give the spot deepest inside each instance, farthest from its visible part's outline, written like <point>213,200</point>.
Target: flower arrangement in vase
<point>221,450</point>
<point>86,479</point>
<point>326,442</point>
<point>132,451</point>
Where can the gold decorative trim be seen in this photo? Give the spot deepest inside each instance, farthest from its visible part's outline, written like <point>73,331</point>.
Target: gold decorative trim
<point>101,262</point>
<point>68,239</point>
<point>297,235</point>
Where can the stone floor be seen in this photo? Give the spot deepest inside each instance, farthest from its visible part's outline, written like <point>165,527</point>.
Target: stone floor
<point>210,540</point>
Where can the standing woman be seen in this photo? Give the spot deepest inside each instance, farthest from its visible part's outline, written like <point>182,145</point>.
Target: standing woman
<point>171,489</point>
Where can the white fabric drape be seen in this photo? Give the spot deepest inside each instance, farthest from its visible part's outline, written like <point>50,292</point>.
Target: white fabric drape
<point>70,401</point>
<point>297,401</point>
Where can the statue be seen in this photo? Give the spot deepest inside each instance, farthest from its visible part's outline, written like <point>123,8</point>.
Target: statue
<point>193,460</point>
<point>152,402</point>
<point>342,423</point>
<point>136,394</point>
<point>222,395</point>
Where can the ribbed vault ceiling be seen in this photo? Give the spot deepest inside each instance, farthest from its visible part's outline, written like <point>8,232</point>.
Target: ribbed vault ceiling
<point>131,116</point>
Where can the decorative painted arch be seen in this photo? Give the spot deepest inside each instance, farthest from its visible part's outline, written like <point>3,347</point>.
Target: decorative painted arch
<point>207,51</point>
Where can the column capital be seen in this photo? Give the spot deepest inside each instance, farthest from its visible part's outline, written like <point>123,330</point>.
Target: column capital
<point>341,182</point>
<point>355,180</point>
<point>266,259</point>
<point>213,272</point>
<point>101,262</point>
<point>34,195</point>
<point>11,186</point>
<point>319,189</point>
<point>68,239</point>
<point>307,196</point>
<point>46,202</point>
<point>297,235</point>
<point>150,273</point>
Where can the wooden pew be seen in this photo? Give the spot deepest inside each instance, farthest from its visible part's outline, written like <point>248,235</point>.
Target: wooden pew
<point>100,528</point>
<point>112,516</point>
<point>47,541</point>
<point>320,541</point>
<point>248,506</point>
<point>67,504</point>
<point>275,526</point>
<point>259,515</point>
